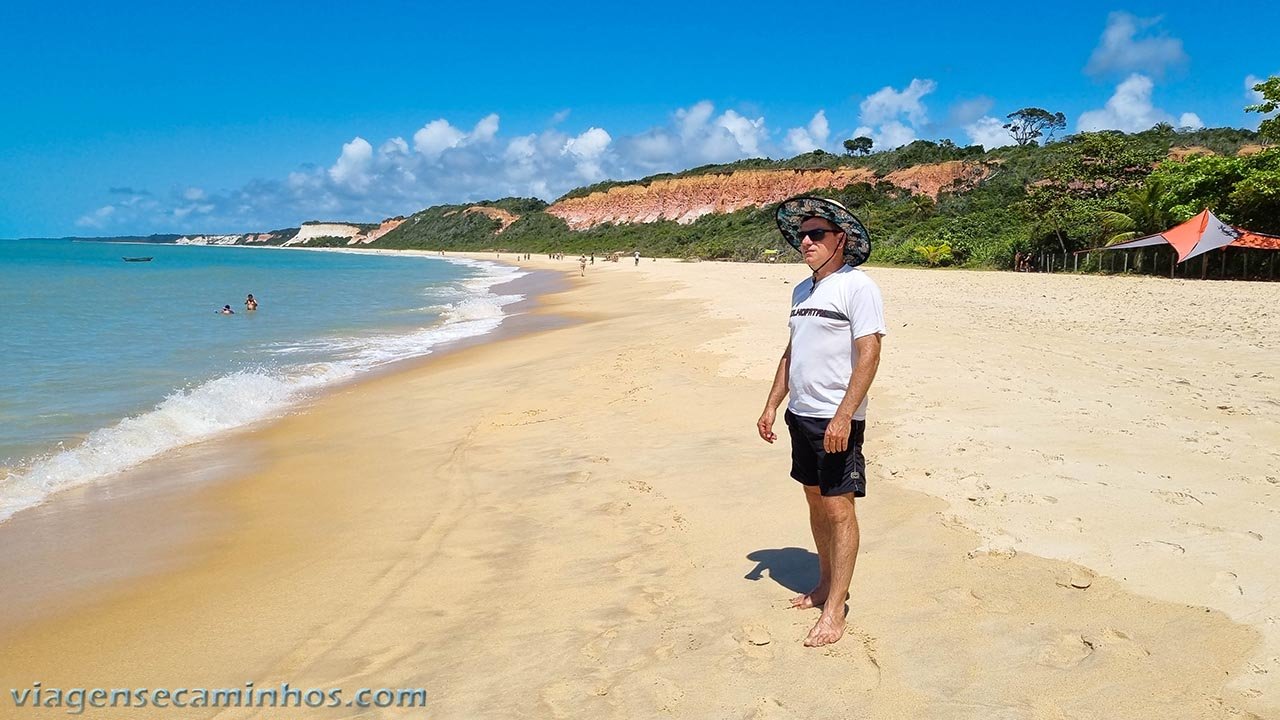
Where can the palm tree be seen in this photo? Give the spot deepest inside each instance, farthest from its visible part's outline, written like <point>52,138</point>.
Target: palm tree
<point>1144,216</point>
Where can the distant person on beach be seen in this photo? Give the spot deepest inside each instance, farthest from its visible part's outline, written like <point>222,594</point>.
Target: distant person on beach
<point>837,320</point>
<point>250,304</point>
<point>637,257</point>
<point>226,310</point>
<point>582,262</point>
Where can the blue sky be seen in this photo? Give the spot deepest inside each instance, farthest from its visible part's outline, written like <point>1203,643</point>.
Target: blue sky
<point>233,117</point>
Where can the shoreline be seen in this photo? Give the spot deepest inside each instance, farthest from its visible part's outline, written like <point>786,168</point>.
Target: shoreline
<point>563,530</point>
<point>96,452</point>
<point>51,545</point>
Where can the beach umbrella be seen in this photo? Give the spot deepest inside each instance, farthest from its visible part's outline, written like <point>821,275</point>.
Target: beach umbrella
<point>1197,236</point>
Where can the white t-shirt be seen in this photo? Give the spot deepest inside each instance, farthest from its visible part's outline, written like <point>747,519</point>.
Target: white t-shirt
<point>845,306</point>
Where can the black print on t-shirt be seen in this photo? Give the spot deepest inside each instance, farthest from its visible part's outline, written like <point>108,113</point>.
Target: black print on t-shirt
<point>818,312</point>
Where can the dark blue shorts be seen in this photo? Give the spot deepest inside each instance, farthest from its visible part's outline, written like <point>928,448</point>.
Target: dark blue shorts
<point>833,473</point>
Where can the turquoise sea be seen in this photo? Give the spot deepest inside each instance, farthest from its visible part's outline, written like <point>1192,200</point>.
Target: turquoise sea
<point>105,364</point>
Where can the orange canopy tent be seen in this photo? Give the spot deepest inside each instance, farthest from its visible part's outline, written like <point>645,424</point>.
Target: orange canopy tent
<point>1199,235</point>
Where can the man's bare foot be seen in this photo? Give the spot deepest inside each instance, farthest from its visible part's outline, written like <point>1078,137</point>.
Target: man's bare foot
<point>814,598</point>
<point>826,631</point>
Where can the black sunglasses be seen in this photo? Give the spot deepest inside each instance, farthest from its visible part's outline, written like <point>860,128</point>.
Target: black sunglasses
<point>815,234</point>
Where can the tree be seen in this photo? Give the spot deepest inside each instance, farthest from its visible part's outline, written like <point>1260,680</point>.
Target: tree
<point>1101,164</point>
<point>1142,215</point>
<point>1243,191</point>
<point>1030,123</point>
<point>1270,89</point>
<point>860,145</point>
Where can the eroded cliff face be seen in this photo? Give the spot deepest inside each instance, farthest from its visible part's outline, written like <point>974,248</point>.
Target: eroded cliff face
<point>319,230</point>
<point>687,199</point>
<point>503,217</point>
<point>367,237</point>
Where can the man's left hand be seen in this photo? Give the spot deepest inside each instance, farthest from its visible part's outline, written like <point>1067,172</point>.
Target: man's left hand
<point>837,438</point>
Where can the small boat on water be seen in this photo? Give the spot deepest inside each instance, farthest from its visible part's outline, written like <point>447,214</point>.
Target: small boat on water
<point>137,259</point>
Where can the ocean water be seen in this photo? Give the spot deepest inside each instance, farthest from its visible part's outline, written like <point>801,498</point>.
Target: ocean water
<point>105,364</point>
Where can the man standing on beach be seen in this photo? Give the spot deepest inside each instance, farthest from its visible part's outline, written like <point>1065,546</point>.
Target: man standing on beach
<point>837,320</point>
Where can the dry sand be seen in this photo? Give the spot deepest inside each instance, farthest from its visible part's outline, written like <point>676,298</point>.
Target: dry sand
<point>1072,513</point>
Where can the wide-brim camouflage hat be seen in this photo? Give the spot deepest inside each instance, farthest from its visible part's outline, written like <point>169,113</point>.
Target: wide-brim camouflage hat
<point>793,212</point>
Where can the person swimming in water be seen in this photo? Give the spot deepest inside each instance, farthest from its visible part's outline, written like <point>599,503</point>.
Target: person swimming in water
<point>226,310</point>
<point>250,304</point>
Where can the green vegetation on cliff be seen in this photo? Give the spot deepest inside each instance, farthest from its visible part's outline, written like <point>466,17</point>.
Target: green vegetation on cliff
<point>1052,198</point>
<point>1079,192</point>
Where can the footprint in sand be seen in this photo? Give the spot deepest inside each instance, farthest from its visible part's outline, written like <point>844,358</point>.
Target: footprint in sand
<point>957,597</point>
<point>1163,545</point>
<point>569,699</point>
<point>649,601</point>
<point>1176,497</point>
<point>858,650</point>
<point>770,708</point>
<point>600,644</point>
<point>614,508</point>
<point>754,635</point>
<point>1225,582</point>
<point>1076,577</point>
<point>1066,652</point>
<point>755,651</point>
<point>640,486</point>
<point>1117,642</point>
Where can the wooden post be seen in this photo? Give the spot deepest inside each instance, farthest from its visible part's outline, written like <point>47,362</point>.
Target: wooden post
<point>1204,266</point>
<point>1075,263</point>
<point>1126,261</point>
<point>1246,264</point>
<point>1224,262</point>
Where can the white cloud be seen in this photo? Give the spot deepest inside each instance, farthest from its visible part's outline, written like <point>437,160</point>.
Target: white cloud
<point>437,136</point>
<point>809,138</point>
<point>693,121</point>
<point>1253,96</point>
<point>396,146</point>
<point>193,193</point>
<point>352,166</point>
<point>882,114</point>
<point>485,130</point>
<point>747,133</point>
<point>988,132</point>
<point>98,218</point>
<point>888,104</point>
<point>1129,109</point>
<point>443,163</point>
<point>1121,51</point>
<point>894,134</point>
<point>521,149</point>
<point>1190,120</point>
<point>888,136</point>
<point>588,148</point>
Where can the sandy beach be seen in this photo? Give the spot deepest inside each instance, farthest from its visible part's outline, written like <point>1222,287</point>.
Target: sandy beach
<point>1073,511</point>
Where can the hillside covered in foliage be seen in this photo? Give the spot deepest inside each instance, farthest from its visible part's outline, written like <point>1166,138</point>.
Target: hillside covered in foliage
<point>1079,192</point>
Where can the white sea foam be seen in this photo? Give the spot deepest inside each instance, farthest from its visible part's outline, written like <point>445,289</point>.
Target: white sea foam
<point>238,399</point>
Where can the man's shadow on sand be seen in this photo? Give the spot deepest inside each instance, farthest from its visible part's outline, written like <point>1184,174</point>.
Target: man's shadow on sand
<point>795,569</point>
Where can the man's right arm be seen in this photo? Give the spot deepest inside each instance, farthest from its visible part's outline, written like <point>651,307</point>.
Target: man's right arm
<point>777,393</point>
